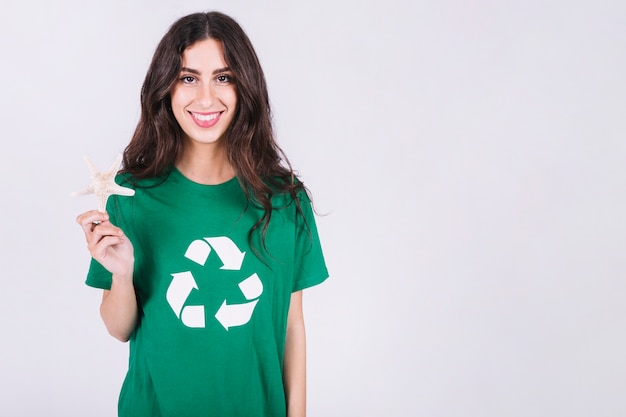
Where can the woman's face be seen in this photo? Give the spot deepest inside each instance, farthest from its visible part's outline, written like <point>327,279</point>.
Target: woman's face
<point>204,98</point>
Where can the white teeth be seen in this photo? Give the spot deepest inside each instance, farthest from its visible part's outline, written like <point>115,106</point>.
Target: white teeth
<point>205,117</point>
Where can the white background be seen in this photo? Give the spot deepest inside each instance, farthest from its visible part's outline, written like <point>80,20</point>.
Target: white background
<point>469,157</point>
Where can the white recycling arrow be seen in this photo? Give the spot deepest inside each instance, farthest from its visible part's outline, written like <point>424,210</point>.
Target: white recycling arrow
<point>193,316</point>
<point>251,287</point>
<point>231,315</point>
<point>228,252</point>
<point>181,286</point>
<point>198,251</point>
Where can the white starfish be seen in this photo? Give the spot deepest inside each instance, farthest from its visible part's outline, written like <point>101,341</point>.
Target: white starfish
<point>103,184</point>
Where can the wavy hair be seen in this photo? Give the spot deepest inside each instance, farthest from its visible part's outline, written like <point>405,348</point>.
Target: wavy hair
<point>262,168</point>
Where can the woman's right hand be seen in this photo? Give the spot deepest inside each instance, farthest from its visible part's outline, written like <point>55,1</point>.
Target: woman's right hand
<point>107,243</point>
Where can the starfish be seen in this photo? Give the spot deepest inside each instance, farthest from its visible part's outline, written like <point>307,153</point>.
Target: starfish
<point>103,184</point>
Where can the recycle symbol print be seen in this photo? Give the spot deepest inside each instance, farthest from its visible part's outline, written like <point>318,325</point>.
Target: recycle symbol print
<point>183,283</point>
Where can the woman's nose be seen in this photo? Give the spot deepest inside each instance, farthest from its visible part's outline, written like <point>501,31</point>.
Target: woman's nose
<point>206,95</point>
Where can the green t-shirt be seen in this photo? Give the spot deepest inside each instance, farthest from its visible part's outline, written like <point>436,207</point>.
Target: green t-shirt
<point>212,314</point>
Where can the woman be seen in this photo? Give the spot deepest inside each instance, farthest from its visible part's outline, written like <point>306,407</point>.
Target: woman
<point>203,269</point>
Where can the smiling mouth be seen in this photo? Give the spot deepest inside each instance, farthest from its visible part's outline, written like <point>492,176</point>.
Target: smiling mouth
<point>205,119</point>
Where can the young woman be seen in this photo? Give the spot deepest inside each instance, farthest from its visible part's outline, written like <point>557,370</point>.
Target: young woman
<point>203,268</point>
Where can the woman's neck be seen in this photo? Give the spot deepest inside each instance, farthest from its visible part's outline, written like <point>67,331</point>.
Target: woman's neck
<point>205,164</point>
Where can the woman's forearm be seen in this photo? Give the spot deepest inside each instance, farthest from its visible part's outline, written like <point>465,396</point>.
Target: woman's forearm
<point>294,372</point>
<point>119,308</point>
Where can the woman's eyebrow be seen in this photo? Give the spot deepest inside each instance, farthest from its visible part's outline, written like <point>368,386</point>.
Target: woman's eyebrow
<point>196,72</point>
<point>191,70</point>
<point>219,70</point>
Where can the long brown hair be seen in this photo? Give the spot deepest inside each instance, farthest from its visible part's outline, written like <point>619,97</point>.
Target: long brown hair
<point>262,168</point>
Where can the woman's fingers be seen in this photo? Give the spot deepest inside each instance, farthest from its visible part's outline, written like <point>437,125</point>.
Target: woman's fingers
<point>90,216</point>
<point>90,219</point>
<point>99,249</point>
<point>99,232</point>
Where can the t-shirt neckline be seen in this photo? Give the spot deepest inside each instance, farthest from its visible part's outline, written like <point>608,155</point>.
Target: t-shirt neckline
<point>228,185</point>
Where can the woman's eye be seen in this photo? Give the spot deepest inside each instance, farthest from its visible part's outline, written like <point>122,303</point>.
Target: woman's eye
<point>224,79</point>
<point>188,79</point>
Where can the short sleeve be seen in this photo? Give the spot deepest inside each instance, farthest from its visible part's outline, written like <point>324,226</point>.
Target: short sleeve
<point>98,276</point>
<point>310,267</point>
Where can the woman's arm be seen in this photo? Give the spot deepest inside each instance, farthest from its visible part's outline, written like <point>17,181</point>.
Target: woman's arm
<point>109,246</point>
<point>294,372</point>
<point>119,309</point>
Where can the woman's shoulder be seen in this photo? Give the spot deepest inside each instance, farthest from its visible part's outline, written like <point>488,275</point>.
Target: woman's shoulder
<point>127,179</point>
